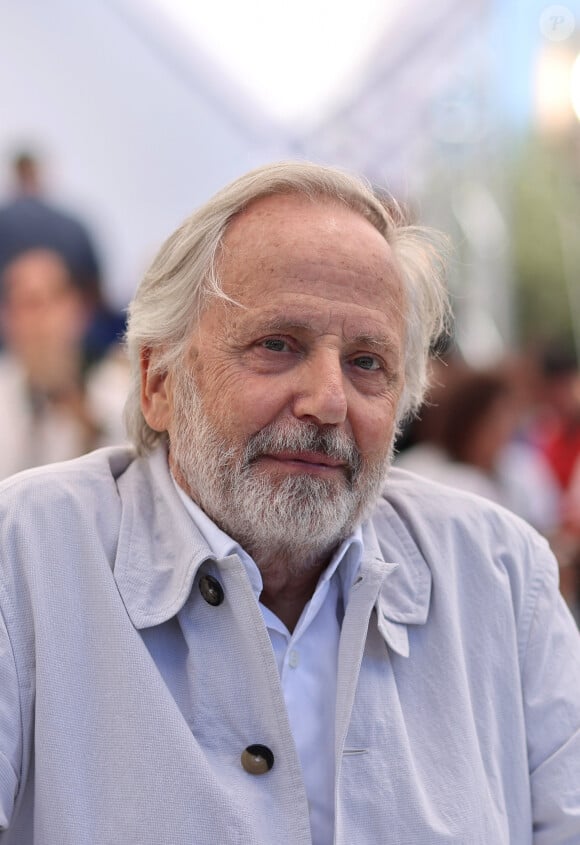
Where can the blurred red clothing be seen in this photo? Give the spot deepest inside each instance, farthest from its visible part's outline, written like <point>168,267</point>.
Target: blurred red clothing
<point>561,446</point>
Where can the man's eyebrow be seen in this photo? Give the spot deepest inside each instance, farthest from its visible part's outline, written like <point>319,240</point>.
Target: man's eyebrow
<point>276,322</point>
<point>283,322</point>
<point>373,341</point>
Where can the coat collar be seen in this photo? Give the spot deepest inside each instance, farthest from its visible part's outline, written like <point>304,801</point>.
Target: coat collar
<point>160,551</point>
<point>404,578</point>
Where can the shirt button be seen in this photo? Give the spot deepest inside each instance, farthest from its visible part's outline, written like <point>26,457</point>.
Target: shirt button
<point>211,590</point>
<point>257,759</point>
<point>293,659</point>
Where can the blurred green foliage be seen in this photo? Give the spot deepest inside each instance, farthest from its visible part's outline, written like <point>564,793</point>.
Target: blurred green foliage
<point>545,231</point>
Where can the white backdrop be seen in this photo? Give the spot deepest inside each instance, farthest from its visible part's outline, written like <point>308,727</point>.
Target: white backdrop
<point>133,140</point>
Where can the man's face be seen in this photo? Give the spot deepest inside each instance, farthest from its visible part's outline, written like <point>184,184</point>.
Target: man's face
<point>283,418</point>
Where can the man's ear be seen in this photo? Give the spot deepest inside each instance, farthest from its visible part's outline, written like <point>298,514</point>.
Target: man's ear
<point>156,393</point>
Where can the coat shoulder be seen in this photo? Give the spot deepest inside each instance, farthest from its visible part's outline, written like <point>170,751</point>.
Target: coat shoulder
<point>66,494</point>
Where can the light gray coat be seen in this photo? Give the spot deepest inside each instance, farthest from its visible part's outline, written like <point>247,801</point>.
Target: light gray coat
<point>126,699</point>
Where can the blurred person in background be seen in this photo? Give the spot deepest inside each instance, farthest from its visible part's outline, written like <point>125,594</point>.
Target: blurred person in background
<point>476,418</point>
<point>418,445</point>
<point>568,549</point>
<point>52,407</point>
<point>29,220</point>
<point>556,429</point>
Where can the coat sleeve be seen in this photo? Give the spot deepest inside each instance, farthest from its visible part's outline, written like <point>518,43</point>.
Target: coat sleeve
<point>10,728</point>
<point>551,688</point>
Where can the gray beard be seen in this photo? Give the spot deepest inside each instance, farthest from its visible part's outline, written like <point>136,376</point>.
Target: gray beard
<point>300,518</point>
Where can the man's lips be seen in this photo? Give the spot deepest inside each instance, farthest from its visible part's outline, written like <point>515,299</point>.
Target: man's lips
<point>309,459</point>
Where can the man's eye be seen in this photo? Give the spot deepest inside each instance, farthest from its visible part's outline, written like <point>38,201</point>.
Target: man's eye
<point>275,344</point>
<point>367,362</point>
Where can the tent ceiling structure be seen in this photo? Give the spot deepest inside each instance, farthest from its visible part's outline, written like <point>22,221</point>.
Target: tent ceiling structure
<point>141,123</point>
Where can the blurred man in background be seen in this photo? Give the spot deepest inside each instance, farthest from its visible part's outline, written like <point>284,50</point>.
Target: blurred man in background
<point>30,220</point>
<point>49,411</point>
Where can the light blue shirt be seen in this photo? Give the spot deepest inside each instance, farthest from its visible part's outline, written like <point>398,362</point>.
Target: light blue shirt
<point>307,661</point>
<point>127,699</point>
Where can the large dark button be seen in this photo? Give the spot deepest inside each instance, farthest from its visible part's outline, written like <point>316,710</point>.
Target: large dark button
<point>211,590</point>
<point>257,759</point>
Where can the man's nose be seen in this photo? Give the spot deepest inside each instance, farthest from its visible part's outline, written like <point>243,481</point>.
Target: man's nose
<point>320,393</point>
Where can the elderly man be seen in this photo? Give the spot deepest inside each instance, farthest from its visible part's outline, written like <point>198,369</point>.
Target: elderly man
<point>239,632</point>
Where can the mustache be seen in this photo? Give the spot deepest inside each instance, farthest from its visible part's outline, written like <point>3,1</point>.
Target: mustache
<point>305,437</point>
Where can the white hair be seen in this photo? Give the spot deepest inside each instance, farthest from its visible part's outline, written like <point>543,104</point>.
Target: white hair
<point>183,276</point>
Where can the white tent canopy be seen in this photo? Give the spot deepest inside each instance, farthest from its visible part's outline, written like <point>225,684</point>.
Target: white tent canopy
<point>140,120</point>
